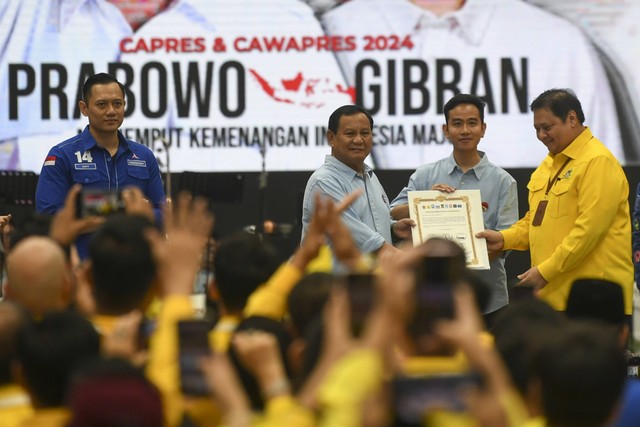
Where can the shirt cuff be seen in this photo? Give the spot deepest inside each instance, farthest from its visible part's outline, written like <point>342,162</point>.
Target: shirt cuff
<point>374,243</point>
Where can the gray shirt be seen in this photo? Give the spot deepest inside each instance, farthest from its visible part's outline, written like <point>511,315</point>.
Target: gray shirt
<point>499,193</point>
<point>368,217</point>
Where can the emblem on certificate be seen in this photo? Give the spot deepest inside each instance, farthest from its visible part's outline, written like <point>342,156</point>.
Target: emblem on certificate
<point>455,216</point>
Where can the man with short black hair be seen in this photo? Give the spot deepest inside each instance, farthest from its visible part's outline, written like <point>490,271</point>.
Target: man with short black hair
<point>49,351</point>
<point>122,271</point>
<point>468,168</point>
<point>350,135</point>
<point>580,372</point>
<point>100,157</point>
<point>578,224</point>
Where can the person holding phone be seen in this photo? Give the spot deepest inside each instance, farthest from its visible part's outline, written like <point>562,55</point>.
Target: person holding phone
<point>100,157</point>
<point>468,168</point>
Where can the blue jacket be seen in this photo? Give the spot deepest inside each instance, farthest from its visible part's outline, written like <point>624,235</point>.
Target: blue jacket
<point>80,160</point>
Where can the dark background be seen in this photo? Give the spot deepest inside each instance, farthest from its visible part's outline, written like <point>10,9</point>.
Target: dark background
<point>238,200</point>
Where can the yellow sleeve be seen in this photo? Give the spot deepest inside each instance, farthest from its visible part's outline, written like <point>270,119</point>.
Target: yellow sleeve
<point>514,408</point>
<point>270,299</point>
<point>348,384</point>
<point>323,263</point>
<point>15,405</point>
<point>284,411</point>
<point>517,236</point>
<point>162,367</point>
<point>598,201</point>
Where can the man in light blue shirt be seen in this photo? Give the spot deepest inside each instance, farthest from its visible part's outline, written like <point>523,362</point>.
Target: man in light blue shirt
<point>467,168</point>
<point>344,171</point>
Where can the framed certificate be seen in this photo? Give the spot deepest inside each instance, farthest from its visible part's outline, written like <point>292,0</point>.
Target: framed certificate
<point>455,216</point>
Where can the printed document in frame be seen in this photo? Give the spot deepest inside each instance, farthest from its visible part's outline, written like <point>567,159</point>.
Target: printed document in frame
<point>455,216</point>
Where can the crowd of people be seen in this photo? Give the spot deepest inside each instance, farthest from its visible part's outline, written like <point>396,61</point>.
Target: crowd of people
<point>102,344</point>
<point>98,325</point>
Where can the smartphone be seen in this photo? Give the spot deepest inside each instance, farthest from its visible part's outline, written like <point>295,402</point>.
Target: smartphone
<point>361,291</point>
<point>145,331</point>
<point>521,292</point>
<point>193,337</point>
<point>98,202</point>
<point>414,396</point>
<point>435,281</point>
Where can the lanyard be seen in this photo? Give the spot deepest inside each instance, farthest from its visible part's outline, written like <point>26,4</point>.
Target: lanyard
<point>555,178</point>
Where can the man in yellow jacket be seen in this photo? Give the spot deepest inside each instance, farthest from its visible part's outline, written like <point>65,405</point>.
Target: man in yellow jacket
<point>578,223</point>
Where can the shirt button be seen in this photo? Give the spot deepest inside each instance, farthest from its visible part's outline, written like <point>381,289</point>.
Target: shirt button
<point>108,159</point>
<point>461,182</point>
<point>86,180</point>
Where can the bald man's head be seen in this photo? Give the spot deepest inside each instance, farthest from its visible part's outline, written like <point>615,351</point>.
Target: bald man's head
<point>38,275</point>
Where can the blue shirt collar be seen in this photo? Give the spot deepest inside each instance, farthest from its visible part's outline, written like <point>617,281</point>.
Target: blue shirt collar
<point>478,169</point>
<point>346,170</point>
<point>88,141</point>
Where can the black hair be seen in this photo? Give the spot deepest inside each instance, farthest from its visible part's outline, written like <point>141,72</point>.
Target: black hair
<point>464,98</point>
<point>51,349</point>
<point>582,373</point>
<point>13,320</point>
<point>122,263</point>
<point>346,110</point>
<point>559,102</point>
<point>307,299</point>
<point>242,262</point>
<point>518,330</point>
<point>99,79</point>
<point>596,299</point>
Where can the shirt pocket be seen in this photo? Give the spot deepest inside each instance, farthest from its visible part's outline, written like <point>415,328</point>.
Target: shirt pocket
<point>88,178</point>
<point>560,201</point>
<point>536,185</point>
<point>138,177</point>
<point>136,173</point>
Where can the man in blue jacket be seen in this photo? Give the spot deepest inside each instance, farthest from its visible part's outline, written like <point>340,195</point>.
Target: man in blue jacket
<point>100,157</point>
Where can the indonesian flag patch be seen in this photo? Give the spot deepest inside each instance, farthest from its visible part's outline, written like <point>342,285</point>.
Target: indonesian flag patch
<point>50,161</point>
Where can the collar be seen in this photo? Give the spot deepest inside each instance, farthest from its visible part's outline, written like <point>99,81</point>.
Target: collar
<point>228,323</point>
<point>576,147</point>
<point>346,170</point>
<point>478,169</point>
<point>470,22</point>
<point>88,141</point>
<point>103,323</point>
<point>61,12</point>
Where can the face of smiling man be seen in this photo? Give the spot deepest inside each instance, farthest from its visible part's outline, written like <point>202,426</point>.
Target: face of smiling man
<point>555,134</point>
<point>464,128</point>
<point>351,144</point>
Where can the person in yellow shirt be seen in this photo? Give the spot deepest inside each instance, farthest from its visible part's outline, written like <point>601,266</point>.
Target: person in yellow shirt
<point>578,223</point>
<point>49,351</point>
<point>15,404</point>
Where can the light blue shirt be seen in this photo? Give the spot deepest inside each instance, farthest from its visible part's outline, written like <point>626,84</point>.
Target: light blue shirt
<point>368,217</point>
<point>499,193</point>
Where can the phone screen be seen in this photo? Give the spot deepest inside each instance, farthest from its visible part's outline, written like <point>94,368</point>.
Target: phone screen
<point>193,338</point>
<point>435,281</point>
<point>414,396</point>
<point>519,292</point>
<point>98,202</point>
<point>360,287</point>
